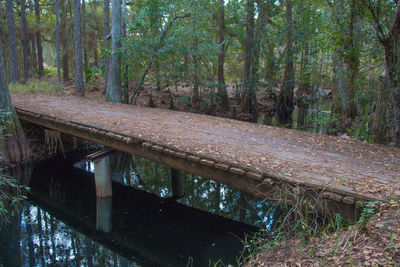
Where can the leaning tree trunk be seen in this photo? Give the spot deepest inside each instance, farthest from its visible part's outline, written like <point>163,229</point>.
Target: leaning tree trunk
<point>25,42</point>
<point>14,148</point>
<point>78,48</point>
<point>286,96</point>
<point>39,40</point>
<point>12,41</point>
<point>222,93</point>
<point>114,79</point>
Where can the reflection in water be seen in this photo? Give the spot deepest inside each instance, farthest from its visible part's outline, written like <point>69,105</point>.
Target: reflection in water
<point>43,240</point>
<point>64,224</point>
<point>198,193</point>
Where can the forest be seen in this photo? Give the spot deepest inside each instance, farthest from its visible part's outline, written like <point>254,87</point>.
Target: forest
<point>228,57</point>
<point>324,66</point>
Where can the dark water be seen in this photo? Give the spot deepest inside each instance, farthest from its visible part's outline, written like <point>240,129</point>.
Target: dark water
<point>62,223</point>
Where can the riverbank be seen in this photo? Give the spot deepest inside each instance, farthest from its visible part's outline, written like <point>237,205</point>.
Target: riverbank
<point>373,241</point>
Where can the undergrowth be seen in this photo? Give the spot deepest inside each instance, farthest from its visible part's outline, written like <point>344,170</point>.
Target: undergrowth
<point>34,86</point>
<point>304,224</point>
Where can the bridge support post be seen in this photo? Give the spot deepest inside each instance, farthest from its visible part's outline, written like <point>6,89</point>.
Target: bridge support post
<point>176,182</point>
<point>103,214</point>
<point>102,176</point>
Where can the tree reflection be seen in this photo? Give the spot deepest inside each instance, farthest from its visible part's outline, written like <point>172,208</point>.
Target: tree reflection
<point>200,193</point>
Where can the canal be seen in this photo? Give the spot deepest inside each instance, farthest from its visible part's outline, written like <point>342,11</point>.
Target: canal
<point>144,223</point>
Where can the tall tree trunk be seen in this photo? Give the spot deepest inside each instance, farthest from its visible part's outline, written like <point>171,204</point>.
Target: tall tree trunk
<point>353,60</point>
<point>34,51</point>
<point>39,40</point>
<point>304,92</point>
<point>381,118</point>
<point>14,148</point>
<point>392,72</point>
<point>12,41</point>
<point>58,40</point>
<point>64,41</point>
<point>84,41</point>
<point>114,80</point>
<point>303,95</point>
<point>125,67</point>
<point>196,80</point>
<point>339,92</point>
<point>106,41</point>
<point>222,93</point>
<point>25,42</point>
<point>270,64</point>
<point>286,95</point>
<point>248,85</point>
<point>195,58</point>
<point>390,79</point>
<point>78,48</point>
<point>96,51</point>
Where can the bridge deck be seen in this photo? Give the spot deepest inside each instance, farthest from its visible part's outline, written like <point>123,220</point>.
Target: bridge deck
<point>348,167</point>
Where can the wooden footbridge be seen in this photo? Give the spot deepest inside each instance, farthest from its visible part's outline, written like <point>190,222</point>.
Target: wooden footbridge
<point>250,157</point>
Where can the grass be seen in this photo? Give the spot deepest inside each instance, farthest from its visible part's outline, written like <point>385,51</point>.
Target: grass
<point>34,86</point>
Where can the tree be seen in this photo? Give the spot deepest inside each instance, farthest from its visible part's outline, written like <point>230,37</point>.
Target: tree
<point>125,70</point>
<point>25,42</point>
<point>12,44</point>
<point>64,40</point>
<point>39,40</point>
<point>345,57</point>
<point>389,38</point>
<point>14,148</point>
<point>58,41</point>
<point>249,95</point>
<point>286,95</point>
<point>106,41</point>
<point>78,48</point>
<point>353,58</point>
<point>222,93</point>
<point>84,43</point>
<point>114,79</point>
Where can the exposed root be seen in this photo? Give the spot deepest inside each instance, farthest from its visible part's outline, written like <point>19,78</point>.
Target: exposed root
<point>53,141</point>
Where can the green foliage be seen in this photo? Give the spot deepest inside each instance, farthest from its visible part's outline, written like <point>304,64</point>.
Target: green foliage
<point>186,100</point>
<point>34,86</point>
<point>362,130</point>
<point>324,122</point>
<point>92,74</point>
<point>10,193</point>
<point>369,210</point>
<point>50,71</point>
